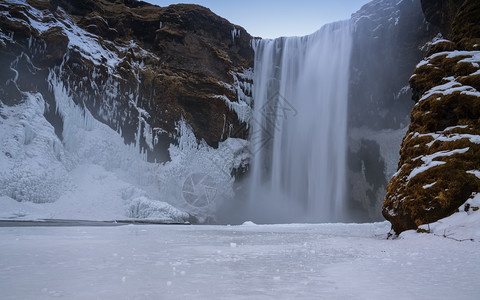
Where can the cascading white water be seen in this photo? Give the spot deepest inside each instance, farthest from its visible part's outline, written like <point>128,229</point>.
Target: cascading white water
<point>299,127</point>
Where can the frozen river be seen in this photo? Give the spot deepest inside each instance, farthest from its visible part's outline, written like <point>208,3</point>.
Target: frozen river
<point>234,262</point>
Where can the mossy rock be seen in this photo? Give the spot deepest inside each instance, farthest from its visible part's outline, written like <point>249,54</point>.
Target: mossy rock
<point>438,191</point>
<point>438,141</point>
<point>424,79</point>
<point>466,25</point>
<point>471,80</point>
<point>441,46</point>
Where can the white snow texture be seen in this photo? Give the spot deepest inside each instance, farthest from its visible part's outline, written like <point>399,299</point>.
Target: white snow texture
<point>304,261</point>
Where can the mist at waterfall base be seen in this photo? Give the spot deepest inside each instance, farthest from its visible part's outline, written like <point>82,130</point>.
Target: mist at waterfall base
<point>298,135</point>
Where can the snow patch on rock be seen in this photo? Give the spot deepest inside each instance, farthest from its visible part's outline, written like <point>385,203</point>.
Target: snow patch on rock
<point>430,162</point>
<point>462,225</point>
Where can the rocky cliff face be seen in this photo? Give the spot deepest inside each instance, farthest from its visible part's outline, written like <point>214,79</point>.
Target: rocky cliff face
<point>92,93</point>
<point>137,67</point>
<point>439,164</point>
<point>387,44</point>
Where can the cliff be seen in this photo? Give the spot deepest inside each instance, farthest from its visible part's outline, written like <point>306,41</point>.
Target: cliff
<point>137,67</point>
<point>438,172</point>
<point>388,38</point>
<point>109,108</point>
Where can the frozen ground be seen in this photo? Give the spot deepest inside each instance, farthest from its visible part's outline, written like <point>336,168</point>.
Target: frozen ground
<point>234,262</point>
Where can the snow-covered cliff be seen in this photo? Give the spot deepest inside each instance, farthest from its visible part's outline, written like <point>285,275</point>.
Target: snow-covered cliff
<point>97,98</point>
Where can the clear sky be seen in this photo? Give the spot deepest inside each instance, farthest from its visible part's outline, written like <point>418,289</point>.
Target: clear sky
<point>275,18</point>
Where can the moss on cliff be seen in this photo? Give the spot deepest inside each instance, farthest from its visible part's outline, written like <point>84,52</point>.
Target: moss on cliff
<point>442,146</point>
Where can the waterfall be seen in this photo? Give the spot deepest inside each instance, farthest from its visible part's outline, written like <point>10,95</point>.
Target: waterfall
<point>299,127</point>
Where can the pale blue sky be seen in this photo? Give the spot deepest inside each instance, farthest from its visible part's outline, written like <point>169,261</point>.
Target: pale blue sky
<point>275,18</point>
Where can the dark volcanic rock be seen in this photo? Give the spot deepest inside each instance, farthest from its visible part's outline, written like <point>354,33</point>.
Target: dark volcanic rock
<point>441,13</point>
<point>457,20</point>
<point>466,26</point>
<point>137,67</point>
<point>387,45</point>
<point>438,168</point>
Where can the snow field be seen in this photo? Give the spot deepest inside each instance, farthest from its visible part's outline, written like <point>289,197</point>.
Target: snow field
<point>328,261</point>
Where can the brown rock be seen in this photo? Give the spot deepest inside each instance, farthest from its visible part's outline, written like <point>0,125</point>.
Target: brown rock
<point>172,61</point>
<point>466,26</point>
<point>441,46</point>
<point>442,143</point>
<point>56,46</point>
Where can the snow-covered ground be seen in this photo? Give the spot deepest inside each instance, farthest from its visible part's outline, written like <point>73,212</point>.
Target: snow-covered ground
<point>329,261</point>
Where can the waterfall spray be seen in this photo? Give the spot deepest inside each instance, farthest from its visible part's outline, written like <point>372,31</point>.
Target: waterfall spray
<point>299,127</point>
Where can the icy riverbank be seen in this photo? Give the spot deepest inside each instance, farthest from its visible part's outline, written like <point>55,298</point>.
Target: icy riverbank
<point>328,261</point>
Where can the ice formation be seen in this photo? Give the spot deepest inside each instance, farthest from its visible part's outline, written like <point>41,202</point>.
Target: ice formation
<point>95,172</point>
<point>89,172</point>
